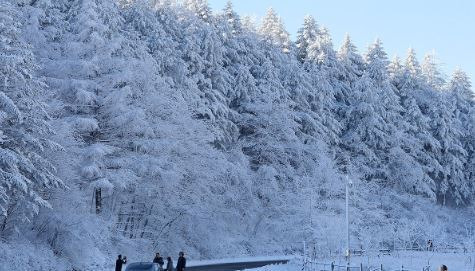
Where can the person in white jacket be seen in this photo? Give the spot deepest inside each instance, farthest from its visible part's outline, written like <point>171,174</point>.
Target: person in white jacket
<point>169,264</point>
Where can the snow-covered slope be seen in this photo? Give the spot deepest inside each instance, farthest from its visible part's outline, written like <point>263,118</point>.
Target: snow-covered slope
<point>136,126</point>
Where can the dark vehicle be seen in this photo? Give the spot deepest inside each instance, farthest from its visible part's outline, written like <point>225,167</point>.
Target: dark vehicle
<point>145,266</point>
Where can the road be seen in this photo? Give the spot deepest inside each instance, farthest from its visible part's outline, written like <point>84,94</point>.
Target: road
<point>234,266</point>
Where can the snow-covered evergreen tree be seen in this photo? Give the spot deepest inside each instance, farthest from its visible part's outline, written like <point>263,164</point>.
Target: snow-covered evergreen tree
<point>460,87</point>
<point>232,18</point>
<point>396,72</point>
<point>461,103</point>
<point>373,119</point>
<point>377,62</point>
<point>249,23</point>
<point>321,50</point>
<point>306,36</point>
<point>273,31</point>
<point>352,68</point>
<point>417,142</point>
<point>200,8</point>
<point>451,189</point>
<point>431,72</point>
<point>352,61</point>
<point>412,71</point>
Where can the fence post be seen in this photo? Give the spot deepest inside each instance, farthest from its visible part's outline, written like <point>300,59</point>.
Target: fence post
<point>333,266</point>
<point>361,266</point>
<point>381,267</point>
<point>304,252</point>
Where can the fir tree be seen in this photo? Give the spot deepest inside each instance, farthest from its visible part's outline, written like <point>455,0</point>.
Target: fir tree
<point>348,55</point>
<point>306,35</point>
<point>232,18</point>
<point>249,23</point>
<point>200,8</point>
<point>412,71</point>
<point>431,73</point>
<point>273,31</point>
<point>396,72</point>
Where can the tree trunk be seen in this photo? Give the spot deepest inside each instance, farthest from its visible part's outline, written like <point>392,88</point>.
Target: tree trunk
<point>98,194</point>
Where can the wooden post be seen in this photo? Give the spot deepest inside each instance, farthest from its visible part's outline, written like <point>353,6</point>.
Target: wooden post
<point>333,266</point>
<point>98,193</point>
<point>361,266</point>
<point>381,267</point>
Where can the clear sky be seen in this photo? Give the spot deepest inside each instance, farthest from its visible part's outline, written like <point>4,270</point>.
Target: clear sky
<point>445,26</point>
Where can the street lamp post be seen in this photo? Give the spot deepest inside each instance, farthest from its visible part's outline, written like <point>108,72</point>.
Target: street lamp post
<point>347,190</point>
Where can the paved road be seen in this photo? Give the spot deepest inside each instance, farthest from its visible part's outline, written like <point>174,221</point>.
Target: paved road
<point>234,266</point>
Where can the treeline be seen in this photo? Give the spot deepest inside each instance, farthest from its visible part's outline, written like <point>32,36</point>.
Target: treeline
<point>147,120</point>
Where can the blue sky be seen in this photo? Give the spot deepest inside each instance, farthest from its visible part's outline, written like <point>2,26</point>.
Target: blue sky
<point>447,27</point>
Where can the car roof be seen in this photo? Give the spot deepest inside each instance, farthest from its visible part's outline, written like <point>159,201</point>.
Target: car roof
<point>141,266</point>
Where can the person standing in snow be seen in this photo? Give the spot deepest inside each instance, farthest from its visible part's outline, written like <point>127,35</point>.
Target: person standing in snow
<point>158,260</point>
<point>181,264</point>
<point>120,262</point>
<point>430,245</point>
<point>169,264</point>
<point>443,268</point>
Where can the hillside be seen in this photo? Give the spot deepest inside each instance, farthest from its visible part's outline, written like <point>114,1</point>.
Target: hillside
<point>134,126</point>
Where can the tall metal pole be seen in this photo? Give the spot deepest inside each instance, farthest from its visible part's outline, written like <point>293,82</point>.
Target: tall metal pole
<point>347,221</point>
<point>305,253</point>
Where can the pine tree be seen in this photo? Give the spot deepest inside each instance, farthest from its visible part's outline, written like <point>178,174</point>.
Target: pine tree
<point>249,23</point>
<point>377,62</point>
<point>446,127</point>
<point>321,51</point>
<point>232,18</point>
<point>431,73</point>
<point>273,31</point>
<point>351,59</point>
<point>412,71</point>
<point>462,104</point>
<point>460,87</point>
<point>306,35</point>
<point>371,134</point>
<point>200,8</point>
<point>352,68</point>
<point>417,142</point>
<point>322,56</point>
<point>470,143</point>
<point>396,72</point>
<point>164,3</point>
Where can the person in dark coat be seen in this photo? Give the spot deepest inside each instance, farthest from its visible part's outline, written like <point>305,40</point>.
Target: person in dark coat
<point>159,260</point>
<point>443,268</point>
<point>181,263</point>
<point>169,264</point>
<point>120,262</point>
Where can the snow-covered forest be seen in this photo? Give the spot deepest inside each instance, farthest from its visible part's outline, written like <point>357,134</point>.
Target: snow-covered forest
<point>136,126</point>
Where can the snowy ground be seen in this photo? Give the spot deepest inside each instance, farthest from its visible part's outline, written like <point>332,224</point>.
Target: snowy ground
<point>238,260</point>
<point>412,261</point>
<point>418,260</point>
